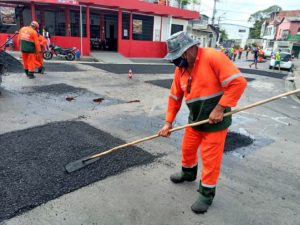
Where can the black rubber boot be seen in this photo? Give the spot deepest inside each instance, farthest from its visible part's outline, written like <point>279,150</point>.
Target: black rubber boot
<point>186,174</point>
<point>205,199</point>
<point>41,70</point>
<point>30,75</point>
<point>26,72</point>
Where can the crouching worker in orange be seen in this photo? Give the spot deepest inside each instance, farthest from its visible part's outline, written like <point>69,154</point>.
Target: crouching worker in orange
<point>30,46</point>
<point>210,84</point>
<point>39,63</point>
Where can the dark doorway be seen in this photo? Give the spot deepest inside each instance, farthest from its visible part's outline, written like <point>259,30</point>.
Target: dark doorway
<point>104,30</point>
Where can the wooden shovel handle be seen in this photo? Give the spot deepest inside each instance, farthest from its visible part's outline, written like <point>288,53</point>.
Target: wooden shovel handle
<point>193,124</point>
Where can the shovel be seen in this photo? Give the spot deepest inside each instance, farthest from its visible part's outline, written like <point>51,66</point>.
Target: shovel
<point>76,165</point>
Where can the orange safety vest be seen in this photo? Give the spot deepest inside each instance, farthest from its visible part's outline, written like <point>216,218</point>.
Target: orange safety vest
<point>213,80</point>
<point>29,41</point>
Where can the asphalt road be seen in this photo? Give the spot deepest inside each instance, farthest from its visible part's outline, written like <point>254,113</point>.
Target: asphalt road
<point>259,183</point>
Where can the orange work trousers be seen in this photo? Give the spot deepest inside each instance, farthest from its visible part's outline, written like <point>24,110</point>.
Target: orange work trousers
<point>29,61</point>
<point>211,151</point>
<point>39,62</point>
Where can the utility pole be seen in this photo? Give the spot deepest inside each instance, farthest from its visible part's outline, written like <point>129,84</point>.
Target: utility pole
<point>214,12</point>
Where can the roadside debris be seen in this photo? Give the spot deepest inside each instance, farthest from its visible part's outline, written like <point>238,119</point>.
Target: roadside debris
<point>70,98</point>
<point>98,100</point>
<point>133,101</point>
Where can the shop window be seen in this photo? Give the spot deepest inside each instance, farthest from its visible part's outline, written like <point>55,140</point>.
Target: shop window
<point>176,28</point>
<point>55,22</point>
<point>125,25</point>
<point>142,27</point>
<point>75,23</point>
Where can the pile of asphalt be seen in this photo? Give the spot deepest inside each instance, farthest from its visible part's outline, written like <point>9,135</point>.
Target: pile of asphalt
<point>12,65</point>
<point>32,163</point>
<point>235,141</point>
<point>166,83</point>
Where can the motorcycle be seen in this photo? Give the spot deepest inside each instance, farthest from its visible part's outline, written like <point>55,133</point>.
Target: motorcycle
<point>67,53</point>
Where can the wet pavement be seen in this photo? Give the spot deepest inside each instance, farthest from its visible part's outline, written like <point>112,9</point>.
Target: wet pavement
<point>37,116</point>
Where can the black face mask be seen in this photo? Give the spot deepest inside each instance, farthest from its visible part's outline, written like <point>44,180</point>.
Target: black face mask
<point>180,62</point>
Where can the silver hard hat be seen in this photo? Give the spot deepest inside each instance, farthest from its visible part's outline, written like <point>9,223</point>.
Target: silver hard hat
<point>178,43</point>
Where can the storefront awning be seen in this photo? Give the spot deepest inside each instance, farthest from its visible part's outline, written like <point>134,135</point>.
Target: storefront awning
<point>144,7</point>
<point>64,2</point>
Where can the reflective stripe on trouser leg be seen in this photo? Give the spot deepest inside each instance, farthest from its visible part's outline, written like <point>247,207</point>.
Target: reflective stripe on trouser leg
<point>190,145</point>
<point>31,62</point>
<point>211,149</point>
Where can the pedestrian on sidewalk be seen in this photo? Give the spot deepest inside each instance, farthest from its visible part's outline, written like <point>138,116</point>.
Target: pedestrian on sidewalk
<point>235,53</point>
<point>231,51</point>
<point>210,84</point>
<point>240,53</point>
<point>255,57</point>
<point>277,59</point>
<point>247,52</point>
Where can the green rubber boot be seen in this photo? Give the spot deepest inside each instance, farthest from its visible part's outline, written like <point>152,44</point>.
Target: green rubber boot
<point>26,72</point>
<point>41,70</point>
<point>30,75</point>
<point>205,199</point>
<point>186,174</point>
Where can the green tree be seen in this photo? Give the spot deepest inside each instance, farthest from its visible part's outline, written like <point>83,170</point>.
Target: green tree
<point>256,29</point>
<point>224,36</point>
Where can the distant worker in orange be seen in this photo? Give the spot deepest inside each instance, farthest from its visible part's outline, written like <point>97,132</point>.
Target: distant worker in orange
<point>39,56</point>
<point>29,46</point>
<point>210,84</point>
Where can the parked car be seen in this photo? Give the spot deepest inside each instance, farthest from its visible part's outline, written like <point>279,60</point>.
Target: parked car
<point>268,52</point>
<point>286,61</point>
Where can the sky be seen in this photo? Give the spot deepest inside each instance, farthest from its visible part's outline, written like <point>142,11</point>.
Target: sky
<point>238,11</point>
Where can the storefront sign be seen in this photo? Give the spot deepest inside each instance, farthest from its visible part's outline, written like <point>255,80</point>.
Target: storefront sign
<point>137,26</point>
<point>8,15</point>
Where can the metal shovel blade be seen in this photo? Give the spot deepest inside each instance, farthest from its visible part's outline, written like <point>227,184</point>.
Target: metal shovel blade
<point>78,164</point>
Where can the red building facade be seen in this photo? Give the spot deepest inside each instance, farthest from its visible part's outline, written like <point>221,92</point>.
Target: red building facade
<point>133,28</point>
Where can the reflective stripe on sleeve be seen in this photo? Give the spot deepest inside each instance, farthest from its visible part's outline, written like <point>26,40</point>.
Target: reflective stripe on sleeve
<point>232,77</point>
<point>176,98</point>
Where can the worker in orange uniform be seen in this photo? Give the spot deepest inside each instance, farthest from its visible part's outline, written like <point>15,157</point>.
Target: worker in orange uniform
<point>39,63</point>
<point>211,84</point>
<point>30,46</point>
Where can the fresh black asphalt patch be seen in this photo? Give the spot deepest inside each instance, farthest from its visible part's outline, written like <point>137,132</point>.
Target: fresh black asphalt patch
<point>32,163</point>
<point>166,83</point>
<point>61,67</point>
<point>56,89</point>
<point>235,141</point>
<point>264,73</point>
<point>136,68</point>
<point>166,69</point>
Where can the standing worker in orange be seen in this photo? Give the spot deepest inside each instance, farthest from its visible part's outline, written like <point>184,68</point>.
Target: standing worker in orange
<point>210,84</point>
<point>30,46</point>
<point>39,63</point>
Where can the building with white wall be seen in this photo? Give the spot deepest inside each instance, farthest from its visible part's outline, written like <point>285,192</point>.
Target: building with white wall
<point>237,33</point>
